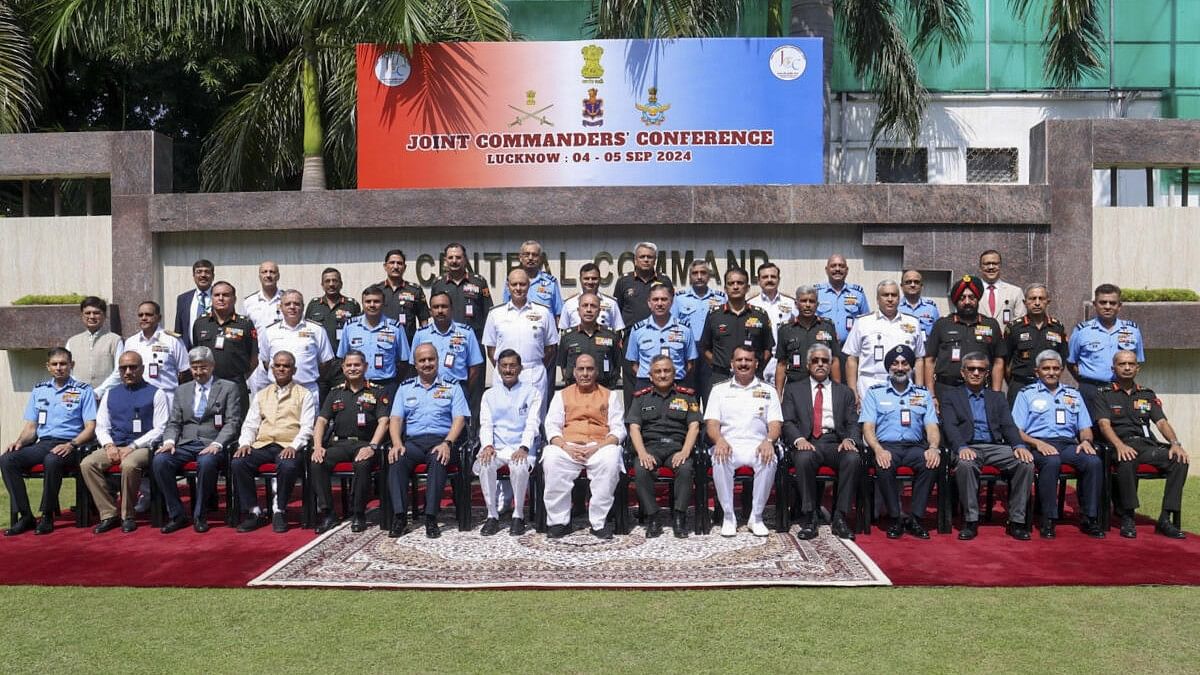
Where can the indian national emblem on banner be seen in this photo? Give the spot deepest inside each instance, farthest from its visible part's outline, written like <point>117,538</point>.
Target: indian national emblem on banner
<point>653,111</point>
<point>532,112</point>
<point>592,71</point>
<point>593,109</point>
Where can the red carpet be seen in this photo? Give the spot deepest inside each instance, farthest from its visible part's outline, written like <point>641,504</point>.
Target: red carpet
<point>1073,559</point>
<point>73,556</point>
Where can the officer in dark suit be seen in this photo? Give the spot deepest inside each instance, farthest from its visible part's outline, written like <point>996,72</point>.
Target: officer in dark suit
<point>193,304</point>
<point>979,430</point>
<point>205,417</point>
<point>664,423</point>
<point>1125,412</point>
<point>832,440</point>
<point>356,412</point>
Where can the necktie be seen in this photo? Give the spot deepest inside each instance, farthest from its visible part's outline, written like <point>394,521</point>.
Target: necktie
<point>201,401</point>
<point>991,299</point>
<point>818,410</point>
<point>202,307</point>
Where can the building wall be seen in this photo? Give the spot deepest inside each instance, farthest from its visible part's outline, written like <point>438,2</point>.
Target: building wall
<point>1171,373</point>
<point>55,256</point>
<point>19,371</point>
<point>1129,245</point>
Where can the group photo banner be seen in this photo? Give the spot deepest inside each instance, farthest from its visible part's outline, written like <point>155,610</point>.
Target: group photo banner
<point>712,111</point>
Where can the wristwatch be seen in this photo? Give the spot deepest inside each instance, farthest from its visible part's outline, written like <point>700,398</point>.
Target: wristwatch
<point>373,446</point>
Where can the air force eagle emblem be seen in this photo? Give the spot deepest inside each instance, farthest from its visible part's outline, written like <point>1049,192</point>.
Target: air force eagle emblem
<point>653,111</point>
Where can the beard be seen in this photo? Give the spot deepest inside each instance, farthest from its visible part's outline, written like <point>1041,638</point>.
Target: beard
<point>898,380</point>
<point>968,312</point>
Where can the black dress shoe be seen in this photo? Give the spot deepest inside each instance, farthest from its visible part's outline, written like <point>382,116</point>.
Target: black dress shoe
<point>1091,528</point>
<point>516,527</point>
<point>914,527</point>
<point>679,525</point>
<point>174,525</point>
<point>1167,529</point>
<point>1047,530</point>
<point>896,529</point>
<point>1018,531</point>
<point>328,522</point>
<point>23,525</point>
<point>557,531</point>
<point>358,523</point>
<point>840,528</point>
<point>1128,527</point>
<point>279,522</point>
<point>432,531</point>
<point>399,526</point>
<point>45,525</point>
<point>605,532</point>
<point>653,528</point>
<point>490,526</point>
<point>128,525</point>
<point>252,522</point>
<point>107,524</point>
<point>807,531</point>
<point>969,531</point>
<point>201,525</point>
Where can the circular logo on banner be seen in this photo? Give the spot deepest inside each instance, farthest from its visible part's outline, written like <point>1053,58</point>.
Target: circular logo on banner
<point>787,62</point>
<point>392,69</point>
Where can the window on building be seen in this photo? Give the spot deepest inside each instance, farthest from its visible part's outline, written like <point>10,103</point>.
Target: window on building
<point>991,165</point>
<point>901,165</point>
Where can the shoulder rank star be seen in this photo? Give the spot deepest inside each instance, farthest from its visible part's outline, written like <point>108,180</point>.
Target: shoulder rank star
<point>653,111</point>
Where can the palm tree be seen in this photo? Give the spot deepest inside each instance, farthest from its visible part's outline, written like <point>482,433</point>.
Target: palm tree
<point>885,56</point>
<point>303,110</point>
<point>662,18</point>
<point>19,84</point>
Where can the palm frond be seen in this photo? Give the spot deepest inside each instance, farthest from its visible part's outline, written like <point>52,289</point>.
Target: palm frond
<point>1074,38</point>
<point>648,19</point>
<point>941,25</point>
<point>19,83</point>
<point>879,53</point>
<point>255,144</point>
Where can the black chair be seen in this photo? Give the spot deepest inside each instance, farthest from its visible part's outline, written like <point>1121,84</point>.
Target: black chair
<point>81,494</point>
<point>663,474</point>
<point>619,512</point>
<point>905,474</point>
<point>744,477</point>
<point>826,476</point>
<point>458,481</point>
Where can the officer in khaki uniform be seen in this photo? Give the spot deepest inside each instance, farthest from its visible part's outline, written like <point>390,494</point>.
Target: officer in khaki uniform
<point>1029,336</point>
<point>664,423</point>
<point>593,339</point>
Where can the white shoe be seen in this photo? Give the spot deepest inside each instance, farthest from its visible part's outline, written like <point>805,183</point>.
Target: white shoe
<point>729,528</point>
<point>758,529</point>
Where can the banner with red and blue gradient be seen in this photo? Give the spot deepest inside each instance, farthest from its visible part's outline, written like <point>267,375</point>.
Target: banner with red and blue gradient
<point>591,113</point>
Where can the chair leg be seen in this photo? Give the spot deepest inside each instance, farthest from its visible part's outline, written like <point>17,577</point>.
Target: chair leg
<point>462,500</point>
<point>83,503</point>
<point>991,498</point>
<point>1062,495</point>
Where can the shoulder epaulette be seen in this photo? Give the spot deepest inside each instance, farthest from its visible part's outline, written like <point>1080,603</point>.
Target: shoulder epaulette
<point>1081,324</point>
<point>685,390</point>
<point>446,380</point>
<point>533,302</point>
<point>409,381</point>
<point>855,287</point>
<point>640,392</point>
<point>1030,385</point>
<point>917,386</point>
<point>171,333</point>
<point>879,386</point>
<point>274,323</point>
<point>44,383</point>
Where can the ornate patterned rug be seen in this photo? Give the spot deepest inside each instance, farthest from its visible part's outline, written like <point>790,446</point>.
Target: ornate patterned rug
<point>464,560</point>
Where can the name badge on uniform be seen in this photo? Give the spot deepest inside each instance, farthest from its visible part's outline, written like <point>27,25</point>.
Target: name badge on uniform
<point>152,370</point>
<point>905,418</point>
<point>849,323</point>
<point>137,425</point>
<point>41,417</point>
<point>796,360</point>
<point>748,343</point>
<point>220,343</point>
<point>955,353</point>
<point>1007,315</point>
<point>337,335</point>
<point>1060,416</point>
<point>448,362</point>
<point>378,361</point>
<point>666,351</point>
<point>606,365</point>
<point>879,352</point>
<point>361,419</point>
<point>402,319</point>
<point>218,420</point>
<point>470,311</point>
<point>1146,429</point>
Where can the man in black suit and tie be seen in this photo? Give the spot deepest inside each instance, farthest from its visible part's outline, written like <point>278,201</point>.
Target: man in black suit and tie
<point>979,430</point>
<point>193,304</point>
<point>205,417</point>
<point>826,438</point>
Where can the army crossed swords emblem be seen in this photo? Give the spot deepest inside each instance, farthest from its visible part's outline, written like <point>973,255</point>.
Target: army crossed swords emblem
<point>537,115</point>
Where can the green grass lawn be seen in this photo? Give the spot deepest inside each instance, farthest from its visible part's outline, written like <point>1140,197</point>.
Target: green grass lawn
<point>1084,630</point>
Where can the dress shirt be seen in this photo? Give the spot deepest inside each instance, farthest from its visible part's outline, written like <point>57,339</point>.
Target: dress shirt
<point>509,418</point>
<point>556,415</point>
<point>162,410</point>
<point>308,416</point>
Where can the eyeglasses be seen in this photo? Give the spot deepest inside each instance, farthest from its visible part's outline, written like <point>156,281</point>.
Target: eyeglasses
<point>975,369</point>
<point>818,359</point>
